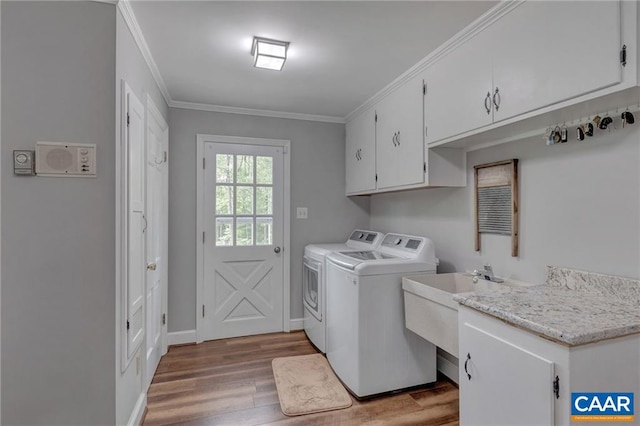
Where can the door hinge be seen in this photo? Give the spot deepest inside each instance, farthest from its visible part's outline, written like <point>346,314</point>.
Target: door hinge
<point>424,88</point>
<point>376,117</point>
<point>376,177</point>
<point>128,325</point>
<point>425,167</point>
<point>203,238</point>
<point>203,159</point>
<point>164,319</point>
<point>426,130</point>
<point>623,55</point>
<point>556,387</point>
<point>128,119</point>
<point>165,156</point>
<point>202,311</point>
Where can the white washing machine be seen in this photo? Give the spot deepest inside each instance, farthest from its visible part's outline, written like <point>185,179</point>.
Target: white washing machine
<point>314,281</point>
<point>368,345</point>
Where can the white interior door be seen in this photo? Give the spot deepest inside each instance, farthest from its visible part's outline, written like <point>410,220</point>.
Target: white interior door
<point>157,232</point>
<point>242,217</point>
<point>135,275</point>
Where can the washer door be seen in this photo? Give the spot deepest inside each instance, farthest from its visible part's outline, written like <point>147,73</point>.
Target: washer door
<point>311,286</point>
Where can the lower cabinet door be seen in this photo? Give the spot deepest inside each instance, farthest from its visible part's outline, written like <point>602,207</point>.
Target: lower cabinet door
<point>502,384</point>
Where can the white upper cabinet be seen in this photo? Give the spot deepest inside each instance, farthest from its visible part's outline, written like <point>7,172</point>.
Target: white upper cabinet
<point>459,90</point>
<point>399,141</point>
<point>360,160</point>
<point>545,52</point>
<point>536,55</point>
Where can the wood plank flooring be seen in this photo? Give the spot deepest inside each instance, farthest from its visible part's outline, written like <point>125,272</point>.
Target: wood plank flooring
<point>230,382</point>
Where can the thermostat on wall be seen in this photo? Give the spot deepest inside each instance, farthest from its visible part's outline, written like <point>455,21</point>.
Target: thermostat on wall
<point>65,159</point>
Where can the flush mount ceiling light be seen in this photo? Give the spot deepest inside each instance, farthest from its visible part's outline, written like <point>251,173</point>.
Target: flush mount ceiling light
<point>269,54</point>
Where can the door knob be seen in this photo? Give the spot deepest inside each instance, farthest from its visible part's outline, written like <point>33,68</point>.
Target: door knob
<point>276,249</point>
<point>152,266</point>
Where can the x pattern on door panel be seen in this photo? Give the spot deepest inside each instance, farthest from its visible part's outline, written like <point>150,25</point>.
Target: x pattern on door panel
<point>244,200</point>
<point>243,290</point>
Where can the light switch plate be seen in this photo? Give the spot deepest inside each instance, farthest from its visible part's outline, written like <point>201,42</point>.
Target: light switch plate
<point>302,213</point>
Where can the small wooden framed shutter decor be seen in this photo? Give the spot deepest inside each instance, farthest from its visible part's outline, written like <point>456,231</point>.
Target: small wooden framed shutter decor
<point>496,193</point>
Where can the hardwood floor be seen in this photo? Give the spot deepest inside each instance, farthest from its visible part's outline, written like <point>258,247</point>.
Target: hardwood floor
<point>230,382</point>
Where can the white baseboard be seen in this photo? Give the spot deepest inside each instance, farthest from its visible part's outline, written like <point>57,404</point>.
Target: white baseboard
<point>448,368</point>
<point>181,337</point>
<point>296,324</point>
<point>138,410</point>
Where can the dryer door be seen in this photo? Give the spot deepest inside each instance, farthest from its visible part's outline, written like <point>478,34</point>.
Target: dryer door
<point>311,282</point>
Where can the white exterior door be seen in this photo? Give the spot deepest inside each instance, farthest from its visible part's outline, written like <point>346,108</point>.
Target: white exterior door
<point>157,233</point>
<point>242,219</point>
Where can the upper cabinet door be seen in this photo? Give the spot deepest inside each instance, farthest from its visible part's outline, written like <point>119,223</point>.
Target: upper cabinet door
<point>399,140</point>
<point>360,160</point>
<point>459,86</point>
<point>547,52</point>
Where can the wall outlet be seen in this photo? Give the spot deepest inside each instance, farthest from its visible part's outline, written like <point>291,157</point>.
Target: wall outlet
<point>302,213</point>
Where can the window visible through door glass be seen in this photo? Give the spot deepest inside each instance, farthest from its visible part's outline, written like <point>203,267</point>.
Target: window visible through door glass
<point>244,167</point>
<point>244,200</point>
<point>224,168</point>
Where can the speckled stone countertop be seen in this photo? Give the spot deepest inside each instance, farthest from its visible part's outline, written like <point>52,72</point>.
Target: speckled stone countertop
<point>559,312</point>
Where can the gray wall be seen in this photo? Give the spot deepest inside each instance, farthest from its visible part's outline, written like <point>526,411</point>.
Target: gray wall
<point>131,67</point>
<point>58,240</point>
<point>317,182</point>
<point>579,207</point>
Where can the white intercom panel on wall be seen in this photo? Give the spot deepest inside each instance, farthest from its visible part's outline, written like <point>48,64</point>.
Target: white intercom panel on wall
<point>58,159</point>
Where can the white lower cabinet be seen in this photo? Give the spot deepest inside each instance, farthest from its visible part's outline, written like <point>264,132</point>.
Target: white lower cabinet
<point>509,376</point>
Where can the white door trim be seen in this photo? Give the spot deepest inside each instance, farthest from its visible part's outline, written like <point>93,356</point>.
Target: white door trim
<point>201,139</point>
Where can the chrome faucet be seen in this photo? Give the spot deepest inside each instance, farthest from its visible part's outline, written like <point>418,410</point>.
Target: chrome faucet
<point>487,274</point>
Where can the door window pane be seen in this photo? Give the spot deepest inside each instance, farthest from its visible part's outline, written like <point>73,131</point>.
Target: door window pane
<point>224,231</point>
<point>224,168</point>
<point>244,167</point>
<point>264,231</point>
<point>244,231</point>
<point>264,170</point>
<point>244,199</point>
<point>224,199</point>
<point>264,200</point>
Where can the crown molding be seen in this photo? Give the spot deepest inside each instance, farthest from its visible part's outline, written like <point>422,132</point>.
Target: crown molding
<point>130,18</point>
<point>477,26</point>
<point>257,112</point>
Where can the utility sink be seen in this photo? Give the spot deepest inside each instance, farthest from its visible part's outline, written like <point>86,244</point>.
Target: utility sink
<point>430,311</point>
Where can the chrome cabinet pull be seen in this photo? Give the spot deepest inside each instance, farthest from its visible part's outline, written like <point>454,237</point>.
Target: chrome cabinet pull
<point>276,250</point>
<point>496,99</point>
<point>398,138</point>
<point>465,366</point>
<point>487,103</point>
<point>393,139</point>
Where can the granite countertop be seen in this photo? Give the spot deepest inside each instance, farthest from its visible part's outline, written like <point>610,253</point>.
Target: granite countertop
<point>559,312</point>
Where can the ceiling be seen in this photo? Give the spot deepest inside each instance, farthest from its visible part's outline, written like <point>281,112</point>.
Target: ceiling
<point>341,52</point>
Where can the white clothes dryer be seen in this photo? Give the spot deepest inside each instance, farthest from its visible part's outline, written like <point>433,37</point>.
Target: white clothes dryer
<point>314,281</point>
<point>368,345</point>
